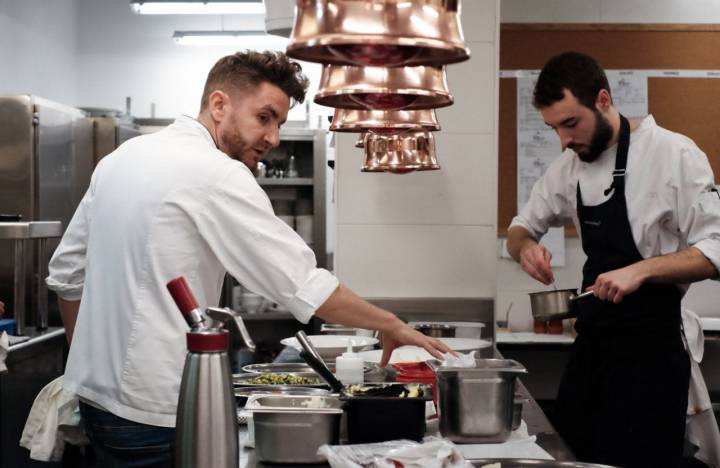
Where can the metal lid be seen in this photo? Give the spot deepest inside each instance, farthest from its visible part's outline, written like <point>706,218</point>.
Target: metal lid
<point>210,340</point>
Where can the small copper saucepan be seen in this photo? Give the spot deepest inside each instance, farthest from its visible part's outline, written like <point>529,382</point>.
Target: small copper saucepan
<point>557,304</point>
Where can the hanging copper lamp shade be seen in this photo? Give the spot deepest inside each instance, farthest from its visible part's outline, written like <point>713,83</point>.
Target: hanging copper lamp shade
<point>412,150</point>
<point>385,122</point>
<point>360,142</point>
<point>380,88</point>
<point>387,33</point>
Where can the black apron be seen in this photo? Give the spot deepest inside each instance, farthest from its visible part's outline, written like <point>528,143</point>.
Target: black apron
<point>623,397</point>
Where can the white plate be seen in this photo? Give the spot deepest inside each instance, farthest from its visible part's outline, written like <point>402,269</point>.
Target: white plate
<point>331,346</point>
<point>418,354</point>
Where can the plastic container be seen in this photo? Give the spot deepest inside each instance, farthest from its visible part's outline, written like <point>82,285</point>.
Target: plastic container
<point>418,372</point>
<point>377,412</point>
<point>349,367</point>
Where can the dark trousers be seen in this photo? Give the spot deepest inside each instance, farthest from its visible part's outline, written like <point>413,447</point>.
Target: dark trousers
<point>623,402</point>
<point>119,443</point>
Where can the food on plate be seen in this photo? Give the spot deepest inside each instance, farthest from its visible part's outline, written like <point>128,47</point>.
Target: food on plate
<point>283,379</point>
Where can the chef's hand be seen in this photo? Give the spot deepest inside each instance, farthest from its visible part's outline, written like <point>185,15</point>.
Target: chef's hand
<point>403,334</point>
<point>535,261</point>
<point>614,285</point>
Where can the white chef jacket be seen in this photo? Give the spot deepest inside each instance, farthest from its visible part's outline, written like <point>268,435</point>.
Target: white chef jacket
<point>161,206</point>
<point>669,188</point>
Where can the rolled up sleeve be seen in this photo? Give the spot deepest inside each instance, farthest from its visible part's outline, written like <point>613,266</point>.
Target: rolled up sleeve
<point>260,250</point>
<point>66,271</point>
<point>699,205</point>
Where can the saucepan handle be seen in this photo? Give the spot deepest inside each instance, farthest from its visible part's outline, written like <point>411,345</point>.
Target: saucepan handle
<point>581,295</point>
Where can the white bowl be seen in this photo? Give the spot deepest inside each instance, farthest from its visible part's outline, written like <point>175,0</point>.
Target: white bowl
<point>331,346</point>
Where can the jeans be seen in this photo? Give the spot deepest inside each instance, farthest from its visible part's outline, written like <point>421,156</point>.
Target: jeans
<point>119,443</point>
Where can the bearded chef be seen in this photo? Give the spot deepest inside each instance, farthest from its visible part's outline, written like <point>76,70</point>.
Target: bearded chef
<point>644,202</point>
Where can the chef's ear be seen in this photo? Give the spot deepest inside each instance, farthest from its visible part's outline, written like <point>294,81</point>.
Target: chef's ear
<point>218,104</point>
<point>604,100</point>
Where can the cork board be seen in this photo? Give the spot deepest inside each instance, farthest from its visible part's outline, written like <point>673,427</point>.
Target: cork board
<point>690,106</point>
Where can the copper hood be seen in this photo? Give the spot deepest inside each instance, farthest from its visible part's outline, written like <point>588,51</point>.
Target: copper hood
<point>412,150</point>
<point>387,33</point>
<point>378,121</point>
<point>404,88</point>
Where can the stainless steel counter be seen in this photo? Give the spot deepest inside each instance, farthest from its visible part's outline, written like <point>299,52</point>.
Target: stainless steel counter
<point>537,423</point>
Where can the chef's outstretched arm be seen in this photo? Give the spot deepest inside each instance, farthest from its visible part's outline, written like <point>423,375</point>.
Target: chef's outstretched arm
<point>532,257</point>
<point>686,266</point>
<point>347,308</point>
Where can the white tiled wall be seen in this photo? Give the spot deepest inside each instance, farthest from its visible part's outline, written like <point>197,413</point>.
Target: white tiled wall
<point>431,234</point>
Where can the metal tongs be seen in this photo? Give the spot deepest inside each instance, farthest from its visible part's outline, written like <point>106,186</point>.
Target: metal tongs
<point>313,358</point>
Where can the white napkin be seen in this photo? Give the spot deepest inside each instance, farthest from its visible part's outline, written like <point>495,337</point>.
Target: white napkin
<point>461,360</point>
<point>4,346</point>
<point>433,452</point>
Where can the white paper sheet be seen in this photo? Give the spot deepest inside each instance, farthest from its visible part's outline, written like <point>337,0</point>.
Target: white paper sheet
<point>629,92</point>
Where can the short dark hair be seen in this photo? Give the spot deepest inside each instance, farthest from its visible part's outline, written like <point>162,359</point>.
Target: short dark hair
<point>579,73</point>
<point>246,70</point>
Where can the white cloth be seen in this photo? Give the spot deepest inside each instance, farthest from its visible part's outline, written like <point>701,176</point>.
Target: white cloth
<point>54,419</point>
<point>668,186</point>
<point>160,206</point>
<point>702,429</point>
<point>4,347</point>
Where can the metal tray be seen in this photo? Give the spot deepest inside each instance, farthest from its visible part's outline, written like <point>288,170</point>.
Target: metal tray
<point>523,463</point>
<point>294,367</point>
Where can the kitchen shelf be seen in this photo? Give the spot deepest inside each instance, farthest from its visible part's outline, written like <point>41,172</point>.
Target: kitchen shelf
<point>267,181</point>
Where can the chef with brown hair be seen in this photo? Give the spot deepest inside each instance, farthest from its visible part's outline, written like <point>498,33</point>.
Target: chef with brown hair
<point>644,202</point>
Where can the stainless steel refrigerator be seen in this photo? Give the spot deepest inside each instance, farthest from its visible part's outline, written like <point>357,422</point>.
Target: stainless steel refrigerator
<point>46,160</point>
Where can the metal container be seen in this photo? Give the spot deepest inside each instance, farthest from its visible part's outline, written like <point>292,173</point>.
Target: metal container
<point>475,404</point>
<point>243,393</point>
<point>557,304</point>
<point>296,367</point>
<point>206,430</point>
<point>377,412</point>
<point>290,429</point>
<point>518,403</point>
<point>435,329</point>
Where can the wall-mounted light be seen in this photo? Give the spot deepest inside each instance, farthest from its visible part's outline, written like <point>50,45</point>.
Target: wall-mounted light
<point>246,39</point>
<point>198,7</point>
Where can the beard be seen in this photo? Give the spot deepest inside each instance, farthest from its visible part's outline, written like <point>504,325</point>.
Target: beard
<point>237,147</point>
<point>598,143</point>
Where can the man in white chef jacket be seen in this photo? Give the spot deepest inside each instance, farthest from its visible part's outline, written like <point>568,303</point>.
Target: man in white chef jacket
<point>644,202</point>
<point>184,201</point>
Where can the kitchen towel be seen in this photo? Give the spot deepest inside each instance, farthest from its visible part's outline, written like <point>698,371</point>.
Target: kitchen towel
<point>701,427</point>
<point>53,420</point>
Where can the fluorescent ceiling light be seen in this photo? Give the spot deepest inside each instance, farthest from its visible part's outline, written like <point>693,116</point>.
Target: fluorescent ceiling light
<point>221,7</point>
<point>246,39</point>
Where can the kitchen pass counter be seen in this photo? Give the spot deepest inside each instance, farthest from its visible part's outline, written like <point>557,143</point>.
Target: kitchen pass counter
<point>508,337</point>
